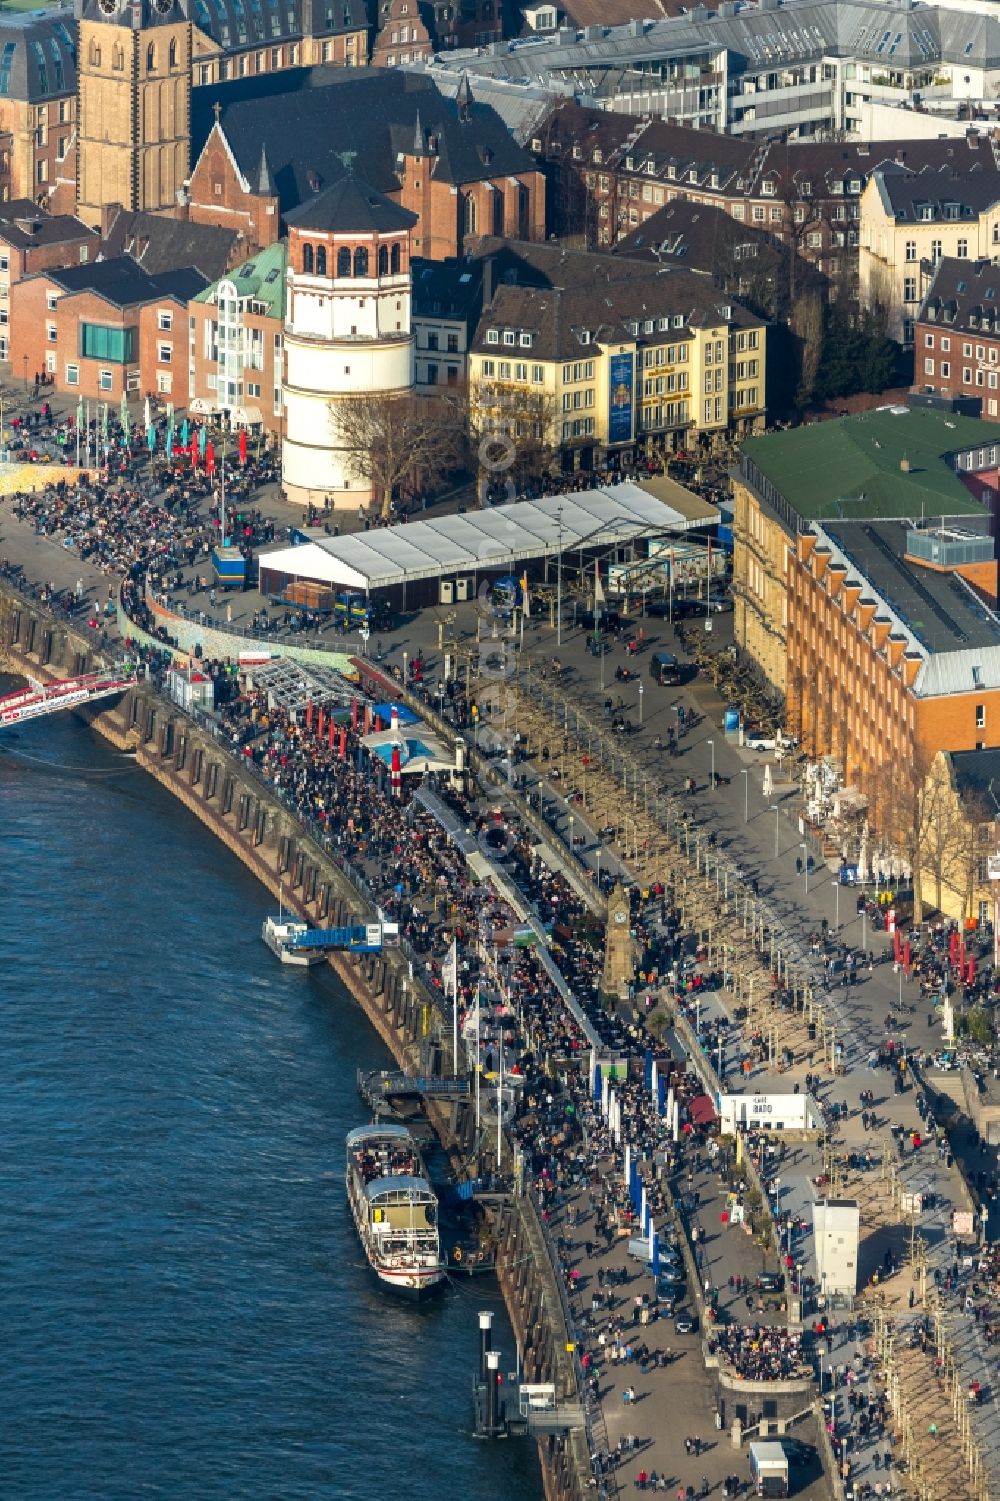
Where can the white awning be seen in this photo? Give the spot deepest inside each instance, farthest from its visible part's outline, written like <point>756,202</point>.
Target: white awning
<point>202,406</point>
<point>310,561</point>
<point>245,416</point>
<point>491,540</point>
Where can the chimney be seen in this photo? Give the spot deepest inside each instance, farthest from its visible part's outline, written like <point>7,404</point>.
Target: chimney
<point>904,465</point>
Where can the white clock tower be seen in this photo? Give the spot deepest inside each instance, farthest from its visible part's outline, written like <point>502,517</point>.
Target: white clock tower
<point>347,330</point>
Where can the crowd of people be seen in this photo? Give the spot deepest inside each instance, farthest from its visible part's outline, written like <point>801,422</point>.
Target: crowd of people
<point>759,1352</point>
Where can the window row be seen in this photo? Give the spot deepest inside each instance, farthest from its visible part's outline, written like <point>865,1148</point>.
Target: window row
<point>314,260</point>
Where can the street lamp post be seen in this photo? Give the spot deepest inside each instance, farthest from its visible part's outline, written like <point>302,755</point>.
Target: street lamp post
<point>640,702</point>
<point>711,746</point>
<point>571,821</point>
<point>745,774</point>
<point>805,862</point>
<point>777,813</point>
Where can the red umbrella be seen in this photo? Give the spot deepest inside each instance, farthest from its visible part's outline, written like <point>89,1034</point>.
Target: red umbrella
<point>209,458</point>
<point>243,445</point>
<point>194,452</point>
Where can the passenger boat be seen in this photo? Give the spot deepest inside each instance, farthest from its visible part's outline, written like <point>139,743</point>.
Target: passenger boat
<point>395,1209</point>
<point>277,933</point>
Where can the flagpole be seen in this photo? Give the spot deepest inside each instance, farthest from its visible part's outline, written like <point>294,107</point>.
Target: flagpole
<point>500,1101</point>
<point>478,1008</point>
<point>454,1003</point>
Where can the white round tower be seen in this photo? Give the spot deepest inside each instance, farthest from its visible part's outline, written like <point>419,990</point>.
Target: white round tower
<point>347,330</point>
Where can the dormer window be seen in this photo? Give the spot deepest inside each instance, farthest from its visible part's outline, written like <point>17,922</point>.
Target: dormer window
<point>714,180</point>
<point>630,164</point>
<point>854,185</point>
<point>805,190</point>
<point>598,156</point>
<point>508,336</point>
<point>492,336</point>
<point>525,341</point>
<point>585,336</point>
<point>672,173</point>
<point>650,167</point>
<point>693,175</point>
<point>767,187</point>
<point>577,153</point>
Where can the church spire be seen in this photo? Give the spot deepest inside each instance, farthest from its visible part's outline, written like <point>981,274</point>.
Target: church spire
<point>464,97</point>
<point>266,186</point>
<point>418,137</point>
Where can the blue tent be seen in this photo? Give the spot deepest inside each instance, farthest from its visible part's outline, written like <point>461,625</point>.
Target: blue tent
<point>598,1083</point>
<point>661,1091</point>
<point>406,716</point>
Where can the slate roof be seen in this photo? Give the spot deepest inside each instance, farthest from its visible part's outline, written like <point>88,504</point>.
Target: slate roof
<point>904,194</point>
<point>963,290</point>
<point>351,207</point>
<point>565,324</point>
<point>37,54</point>
<point>978,773</point>
<point>662,152</point>
<point>124,283</point>
<point>160,244</point>
<point>319,123</point>
<point>699,235</point>
<point>447,289</point>
<point>48,229</point>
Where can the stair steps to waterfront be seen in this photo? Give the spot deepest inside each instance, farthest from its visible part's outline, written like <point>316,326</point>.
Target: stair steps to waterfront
<point>561,1419</point>
<point>948,1085</point>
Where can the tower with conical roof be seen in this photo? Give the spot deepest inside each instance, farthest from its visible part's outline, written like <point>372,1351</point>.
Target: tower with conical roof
<point>347,330</point>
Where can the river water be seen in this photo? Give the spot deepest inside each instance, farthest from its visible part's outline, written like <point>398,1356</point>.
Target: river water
<point>184,1308</point>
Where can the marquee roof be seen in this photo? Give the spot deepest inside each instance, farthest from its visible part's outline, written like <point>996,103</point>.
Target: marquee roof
<point>499,537</point>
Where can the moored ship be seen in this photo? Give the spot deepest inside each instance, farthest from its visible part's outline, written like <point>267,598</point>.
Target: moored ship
<point>395,1209</point>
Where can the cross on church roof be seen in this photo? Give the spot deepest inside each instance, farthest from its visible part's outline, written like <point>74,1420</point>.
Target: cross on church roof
<point>346,159</point>
<point>216,110</point>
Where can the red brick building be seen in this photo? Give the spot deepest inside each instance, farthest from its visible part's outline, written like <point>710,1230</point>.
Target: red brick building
<point>105,330</point>
<point>452,162</point>
<point>32,240</point>
<point>956,336</point>
<point>611,172</point>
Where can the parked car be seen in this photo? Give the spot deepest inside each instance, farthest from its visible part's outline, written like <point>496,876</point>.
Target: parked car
<point>685,1322</point>
<point>763,740</point>
<point>770,1282</point>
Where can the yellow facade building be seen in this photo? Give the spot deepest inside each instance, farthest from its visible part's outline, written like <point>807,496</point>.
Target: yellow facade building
<point>909,221</point>
<point>760,584</point>
<point>618,370</point>
<point>960,833</point>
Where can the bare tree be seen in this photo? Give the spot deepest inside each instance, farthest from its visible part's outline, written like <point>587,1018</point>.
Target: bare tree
<point>904,803</point>
<point>513,432</point>
<point>807,325</point>
<point>397,443</point>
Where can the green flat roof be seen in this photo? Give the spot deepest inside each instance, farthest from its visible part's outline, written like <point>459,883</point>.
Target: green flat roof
<point>849,469</point>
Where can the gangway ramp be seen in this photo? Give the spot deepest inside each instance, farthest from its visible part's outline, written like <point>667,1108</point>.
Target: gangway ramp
<point>64,693</point>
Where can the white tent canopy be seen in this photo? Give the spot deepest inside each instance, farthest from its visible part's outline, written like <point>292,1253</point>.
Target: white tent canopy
<point>498,538</point>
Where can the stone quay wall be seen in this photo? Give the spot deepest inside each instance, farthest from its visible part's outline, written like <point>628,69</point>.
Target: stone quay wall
<point>250,820</point>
